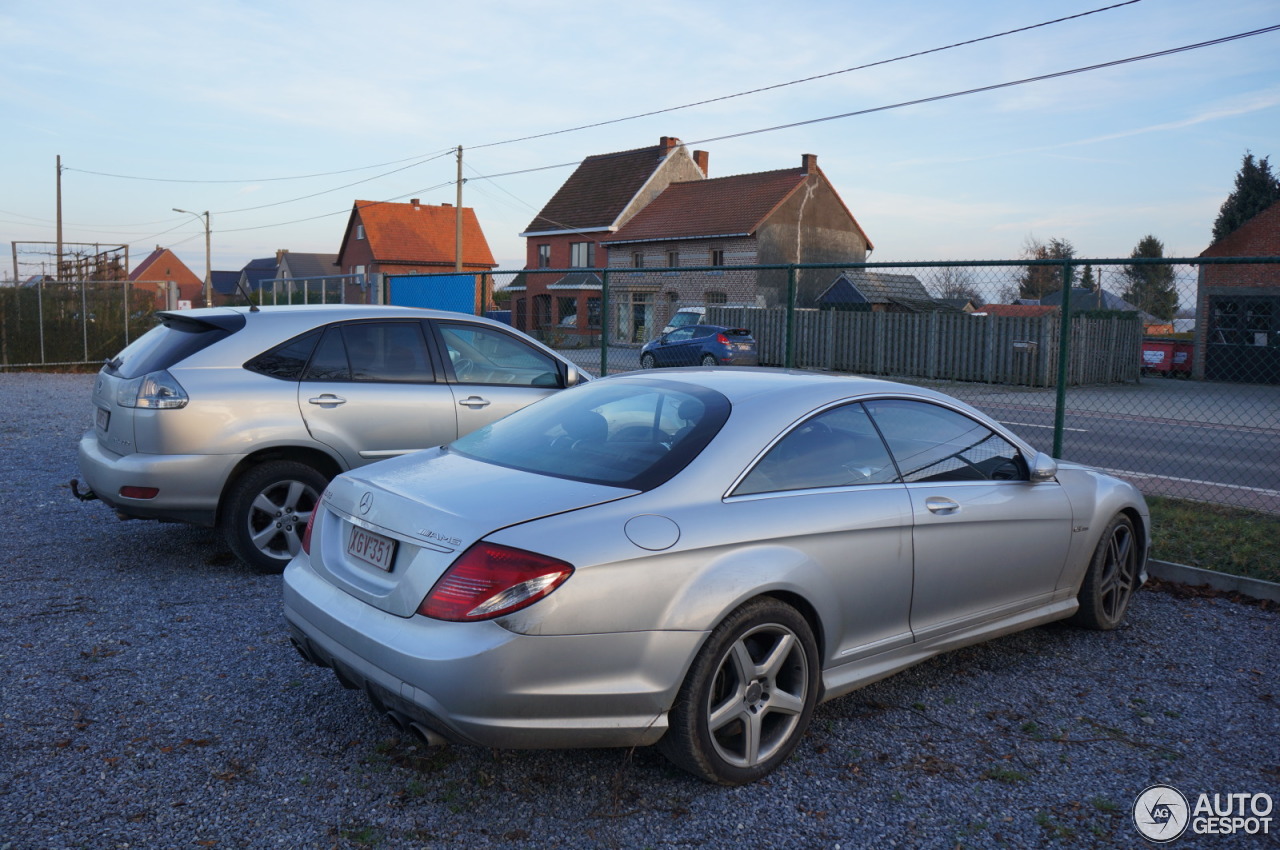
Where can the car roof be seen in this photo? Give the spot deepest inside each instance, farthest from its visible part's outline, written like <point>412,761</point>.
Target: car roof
<point>330,312</point>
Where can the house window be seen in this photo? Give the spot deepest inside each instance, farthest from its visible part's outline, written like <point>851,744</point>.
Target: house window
<point>579,255</point>
<point>567,311</point>
<point>544,256</point>
<point>593,312</point>
<point>716,297</point>
<point>359,231</point>
<point>717,257</point>
<point>637,260</point>
<point>673,259</point>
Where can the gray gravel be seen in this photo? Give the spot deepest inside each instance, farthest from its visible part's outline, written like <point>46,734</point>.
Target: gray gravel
<point>151,699</point>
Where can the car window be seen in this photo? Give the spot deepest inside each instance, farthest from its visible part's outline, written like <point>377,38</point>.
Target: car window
<point>482,355</point>
<point>702,331</point>
<point>836,448</point>
<point>287,360</point>
<point>169,343</point>
<point>633,433</point>
<point>933,443</point>
<point>680,334</point>
<point>387,352</point>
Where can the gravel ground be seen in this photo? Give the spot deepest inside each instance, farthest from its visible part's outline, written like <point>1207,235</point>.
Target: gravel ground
<point>151,699</point>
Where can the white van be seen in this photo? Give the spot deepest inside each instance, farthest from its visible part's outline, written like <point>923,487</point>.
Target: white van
<point>684,317</point>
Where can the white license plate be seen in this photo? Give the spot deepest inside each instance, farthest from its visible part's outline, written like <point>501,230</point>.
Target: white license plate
<point>103,418</point>
<point>371,548</point>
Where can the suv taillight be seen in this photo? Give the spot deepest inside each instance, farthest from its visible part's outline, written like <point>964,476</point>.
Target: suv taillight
<point>158,390</point>
<point>489,581</point>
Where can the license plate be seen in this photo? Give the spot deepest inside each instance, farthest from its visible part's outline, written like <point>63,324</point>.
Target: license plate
<point>103,417</point>
<point>371,548</point>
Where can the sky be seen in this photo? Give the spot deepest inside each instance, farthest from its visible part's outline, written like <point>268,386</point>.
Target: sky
<point>276,115</point>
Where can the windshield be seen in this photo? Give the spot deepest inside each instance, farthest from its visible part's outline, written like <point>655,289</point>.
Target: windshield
<point>169,343</point>
<point>633,432</point>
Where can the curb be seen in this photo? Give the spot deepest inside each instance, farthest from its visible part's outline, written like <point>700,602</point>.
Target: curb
<point>1254,588</point>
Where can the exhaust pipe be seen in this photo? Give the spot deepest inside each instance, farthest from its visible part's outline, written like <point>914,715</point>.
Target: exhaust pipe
<point>428,736</point>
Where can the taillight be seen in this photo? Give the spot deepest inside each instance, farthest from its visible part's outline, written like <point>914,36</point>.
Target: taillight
<point>306,535</point>
<point>722,339</point>
<point>158,391</point>
<point>489,581</point>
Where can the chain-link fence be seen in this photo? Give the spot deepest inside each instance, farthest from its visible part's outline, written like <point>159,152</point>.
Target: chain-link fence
<point>324,289</point>
<point>1103,371</point>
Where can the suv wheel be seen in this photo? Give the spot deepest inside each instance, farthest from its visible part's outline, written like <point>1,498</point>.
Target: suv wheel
<point>266,512</point>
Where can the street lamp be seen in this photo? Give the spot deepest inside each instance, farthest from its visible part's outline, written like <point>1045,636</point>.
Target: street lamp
<point>208,263</point>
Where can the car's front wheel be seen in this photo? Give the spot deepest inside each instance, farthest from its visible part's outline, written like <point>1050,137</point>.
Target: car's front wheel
<point>647,361</point>
<point>748,697</point>
<point>266,512</point>
<point>1111,579</point>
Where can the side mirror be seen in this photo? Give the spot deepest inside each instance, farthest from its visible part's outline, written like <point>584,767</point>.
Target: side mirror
<point>1043,468</point>
<point>572,377</point>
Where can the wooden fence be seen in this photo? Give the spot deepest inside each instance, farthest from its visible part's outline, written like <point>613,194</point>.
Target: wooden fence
<point>945,346</point>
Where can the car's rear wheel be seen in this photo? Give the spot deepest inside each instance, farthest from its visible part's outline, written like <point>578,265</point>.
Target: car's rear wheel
<point>709,360</point>
<point>647,361</point>
<point>748,697</point>
<point>1111,579</point>
<point>266,512</point>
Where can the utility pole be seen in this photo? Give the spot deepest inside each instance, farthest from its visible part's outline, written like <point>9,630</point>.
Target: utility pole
<point>208,256</point>
<point>58,273</point>
<point>457,220</point>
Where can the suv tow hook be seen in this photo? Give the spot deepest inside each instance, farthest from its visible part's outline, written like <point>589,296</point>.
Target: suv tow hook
<point>84,496</point>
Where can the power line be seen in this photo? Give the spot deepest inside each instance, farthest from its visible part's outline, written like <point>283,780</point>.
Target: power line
<point>428,158</point>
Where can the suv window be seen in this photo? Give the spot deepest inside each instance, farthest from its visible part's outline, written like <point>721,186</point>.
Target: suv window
<point>287,360</point>
<point>484,355</point>
<point>933,443</point>
<point>388,352</point>
<point>836,448</point>
<point>176,339</point>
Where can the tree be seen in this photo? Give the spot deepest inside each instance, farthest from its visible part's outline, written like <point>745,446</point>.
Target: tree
<point>1256,189</point>
<point>957,282</point>
<point>1150,287</point>
<point>1087,280</point>
<point>1038,281</point>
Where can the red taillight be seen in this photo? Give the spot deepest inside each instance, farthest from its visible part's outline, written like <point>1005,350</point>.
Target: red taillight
<point>306,535</point>
<point>490,580</point>
<point>722,339</point>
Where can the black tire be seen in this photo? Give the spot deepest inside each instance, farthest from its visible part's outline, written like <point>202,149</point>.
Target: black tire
<point>709,360</point>
<point>736,717</point>
<point>647,361</point>
<point>266,512</point>
<point>1111,579</point>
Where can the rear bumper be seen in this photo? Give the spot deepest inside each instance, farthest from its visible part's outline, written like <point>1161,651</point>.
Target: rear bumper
<point>190,485</point>
<point>482,684</point>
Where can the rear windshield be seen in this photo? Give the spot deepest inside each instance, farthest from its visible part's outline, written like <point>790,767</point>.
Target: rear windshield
<point>633,432</point>
<point>171,342</point>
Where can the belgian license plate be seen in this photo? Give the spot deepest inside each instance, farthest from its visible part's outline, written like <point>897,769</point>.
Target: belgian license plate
<point>103,418</point>
<point>371,548</point>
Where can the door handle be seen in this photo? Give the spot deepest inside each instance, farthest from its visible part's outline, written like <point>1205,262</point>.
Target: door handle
<point>474,402</point>
<point>327,398</point>
<point>940,505</point>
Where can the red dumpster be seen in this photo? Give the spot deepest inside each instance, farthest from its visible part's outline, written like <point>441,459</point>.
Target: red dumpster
<point>1157,356</point>
<point>1182,359</point>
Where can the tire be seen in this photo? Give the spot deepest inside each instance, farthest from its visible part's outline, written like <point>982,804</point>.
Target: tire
<point>1111,579</point>
<point>647,361</point>
<point>266,512</point>
<point>709,360</point>
<point>748,697</point>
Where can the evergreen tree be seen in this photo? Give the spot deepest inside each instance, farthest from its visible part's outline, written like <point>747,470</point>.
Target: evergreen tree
<point>1150,287</point>
<point>1039,281</point>
<point>1256,189</point>
<point>1087,280</point>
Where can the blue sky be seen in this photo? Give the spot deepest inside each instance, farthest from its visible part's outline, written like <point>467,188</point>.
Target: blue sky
<point>226,106</point>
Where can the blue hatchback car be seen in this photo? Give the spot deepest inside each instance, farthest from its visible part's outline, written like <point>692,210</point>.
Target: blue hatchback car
<point>701,345</point>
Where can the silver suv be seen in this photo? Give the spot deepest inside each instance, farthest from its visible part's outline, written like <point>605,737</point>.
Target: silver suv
<point>237,418</point>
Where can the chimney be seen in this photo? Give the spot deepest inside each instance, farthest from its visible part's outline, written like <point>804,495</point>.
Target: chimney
<point>700,158</point>
<point>280,252</point>
<point>414,201</point>
<point>668,142</point>
<point>809,161</point>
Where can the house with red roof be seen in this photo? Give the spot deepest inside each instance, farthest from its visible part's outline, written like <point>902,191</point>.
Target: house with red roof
<point>1238,306</point>
<point>793,215</point>
<point>604,193</point>
<point>385,238</point>
<point>163,266</point>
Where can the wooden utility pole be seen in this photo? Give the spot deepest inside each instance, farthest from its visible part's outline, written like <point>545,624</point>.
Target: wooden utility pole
<point>58,274</point>
<point>457,220</point>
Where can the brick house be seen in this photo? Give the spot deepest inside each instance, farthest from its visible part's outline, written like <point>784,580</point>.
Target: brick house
<point>395,239</point>
<point>601,196</point>
<point>163,265</point>
<point>780,217</point>
<point>1238,306</point>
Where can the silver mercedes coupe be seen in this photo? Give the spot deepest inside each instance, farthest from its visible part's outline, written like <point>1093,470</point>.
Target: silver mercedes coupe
<point>695,559</point>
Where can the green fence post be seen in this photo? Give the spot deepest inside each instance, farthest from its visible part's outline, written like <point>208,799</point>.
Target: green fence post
<point>789,358</point>
<point>1064,355</point>
<point>604,323</point>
